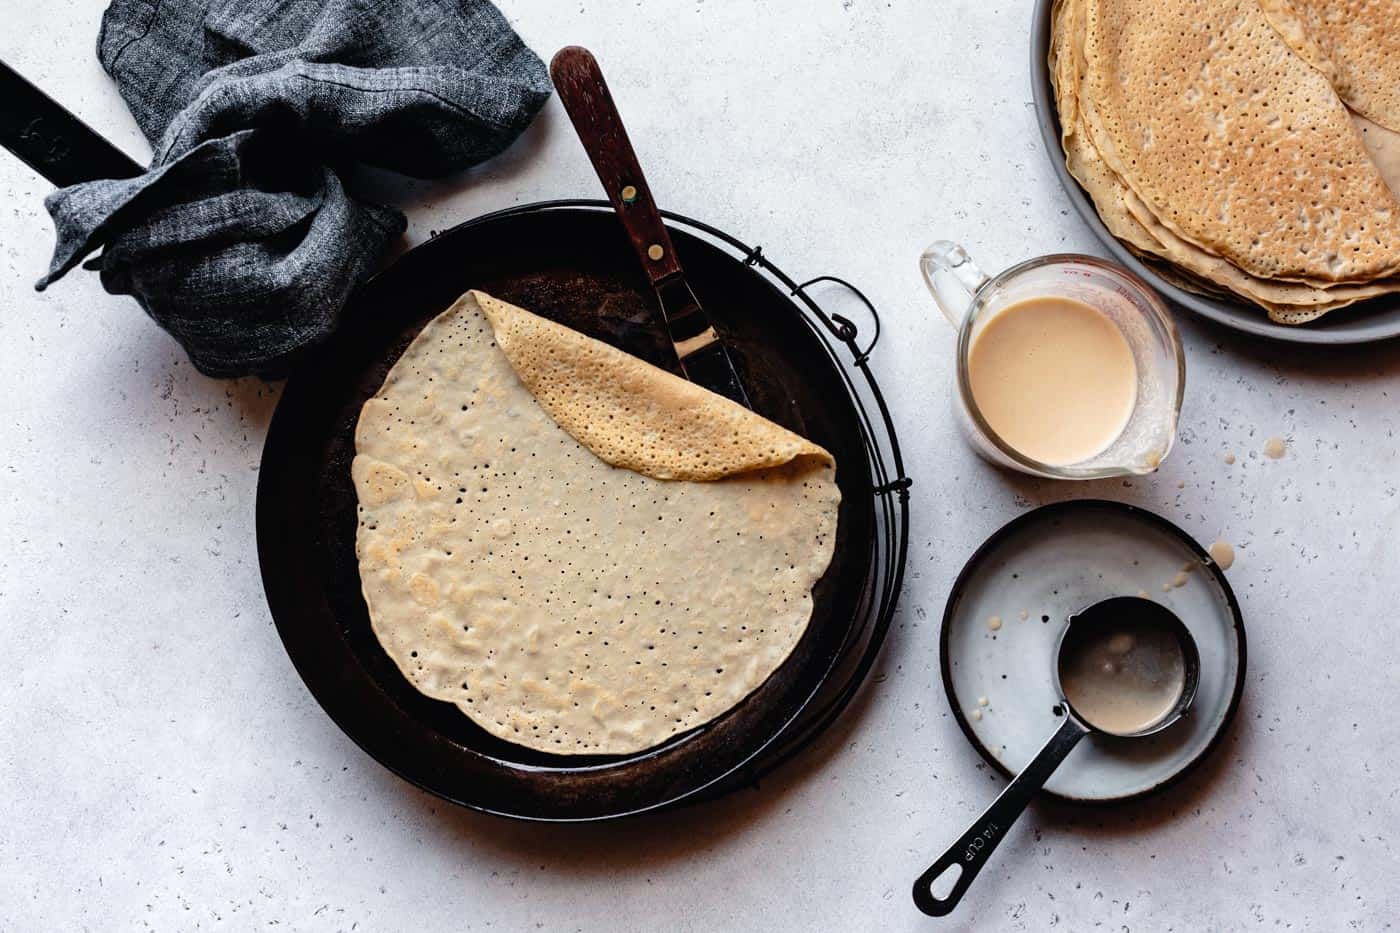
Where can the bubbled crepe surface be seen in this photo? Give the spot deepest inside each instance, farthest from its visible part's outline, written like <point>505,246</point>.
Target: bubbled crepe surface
<point>1354,43</point>
<point>1204,140</point>
<point>525,555</point>
<point>622,409</point>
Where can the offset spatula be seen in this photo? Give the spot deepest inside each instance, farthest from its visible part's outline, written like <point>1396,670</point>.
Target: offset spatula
<point>590,106</point>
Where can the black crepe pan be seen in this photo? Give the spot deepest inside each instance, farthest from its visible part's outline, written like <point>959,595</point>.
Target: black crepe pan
<point>571,262</point>
<point>574,266</point>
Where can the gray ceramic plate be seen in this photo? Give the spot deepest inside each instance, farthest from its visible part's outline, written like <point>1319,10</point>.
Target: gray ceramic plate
<point>1047,565</point>
<point>1361,323</point>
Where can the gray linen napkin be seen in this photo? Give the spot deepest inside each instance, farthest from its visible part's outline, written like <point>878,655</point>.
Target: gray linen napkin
<point>241,239</point>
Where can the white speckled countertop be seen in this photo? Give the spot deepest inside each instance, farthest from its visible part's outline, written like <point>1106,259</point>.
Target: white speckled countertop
<point>162,766</point>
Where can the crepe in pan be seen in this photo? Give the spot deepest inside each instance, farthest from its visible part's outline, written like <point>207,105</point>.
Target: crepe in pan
<point>584,553</point>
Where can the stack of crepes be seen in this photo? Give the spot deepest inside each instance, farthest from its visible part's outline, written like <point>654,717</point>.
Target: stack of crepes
<point>1252,145</point>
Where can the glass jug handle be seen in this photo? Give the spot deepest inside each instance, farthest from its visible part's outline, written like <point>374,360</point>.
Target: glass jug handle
<point>952,277</point>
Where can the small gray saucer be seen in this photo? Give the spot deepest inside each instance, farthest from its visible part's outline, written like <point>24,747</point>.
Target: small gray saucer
<point>1046,565</point>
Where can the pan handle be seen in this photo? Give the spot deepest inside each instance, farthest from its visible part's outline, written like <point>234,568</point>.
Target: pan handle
<point>52,141</point>
<point>586,98</point>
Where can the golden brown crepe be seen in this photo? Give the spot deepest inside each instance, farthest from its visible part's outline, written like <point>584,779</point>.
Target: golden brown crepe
<point>657,423</point>
<point>1234,142</point>
<point>529,551</point>
<point>1153,232</point>
<point>1354,43</point>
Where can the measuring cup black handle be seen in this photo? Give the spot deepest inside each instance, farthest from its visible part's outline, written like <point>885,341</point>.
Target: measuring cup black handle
<point>976,845</point>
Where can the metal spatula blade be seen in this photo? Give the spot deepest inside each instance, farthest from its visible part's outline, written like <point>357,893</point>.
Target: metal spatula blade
<point>703,356</point>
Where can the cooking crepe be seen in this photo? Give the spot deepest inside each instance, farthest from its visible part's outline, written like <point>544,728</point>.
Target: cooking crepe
<point>1354,43</point>
<point>584,553</point>
<point>1130,219</point>
<point>1234,142</point>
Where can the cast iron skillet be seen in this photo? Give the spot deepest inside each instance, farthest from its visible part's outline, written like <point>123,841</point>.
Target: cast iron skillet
<point>1365,322</point>
<point>574,266</point>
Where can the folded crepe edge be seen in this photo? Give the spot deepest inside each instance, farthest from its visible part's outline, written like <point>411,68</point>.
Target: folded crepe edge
<point>631,414</point>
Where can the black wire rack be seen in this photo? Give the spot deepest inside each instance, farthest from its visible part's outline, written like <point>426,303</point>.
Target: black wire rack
<point>850,353</point>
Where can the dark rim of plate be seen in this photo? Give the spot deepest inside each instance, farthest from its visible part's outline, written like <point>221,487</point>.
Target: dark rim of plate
<point>1365,322</point>
<point>1152,518</point>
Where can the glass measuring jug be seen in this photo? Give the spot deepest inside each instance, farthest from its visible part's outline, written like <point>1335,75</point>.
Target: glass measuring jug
<point>971,300</point>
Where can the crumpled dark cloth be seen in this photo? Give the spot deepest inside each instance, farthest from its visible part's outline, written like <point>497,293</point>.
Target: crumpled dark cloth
<point>241,239</point>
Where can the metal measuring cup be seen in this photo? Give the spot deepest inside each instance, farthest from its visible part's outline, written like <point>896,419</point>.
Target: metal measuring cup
<point>1083,631</point>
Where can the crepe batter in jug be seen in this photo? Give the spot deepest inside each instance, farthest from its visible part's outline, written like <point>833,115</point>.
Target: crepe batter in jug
<point>1054,377</point>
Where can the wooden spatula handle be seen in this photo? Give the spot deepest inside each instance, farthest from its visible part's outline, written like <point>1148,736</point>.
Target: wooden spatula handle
<point>586,98</point>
